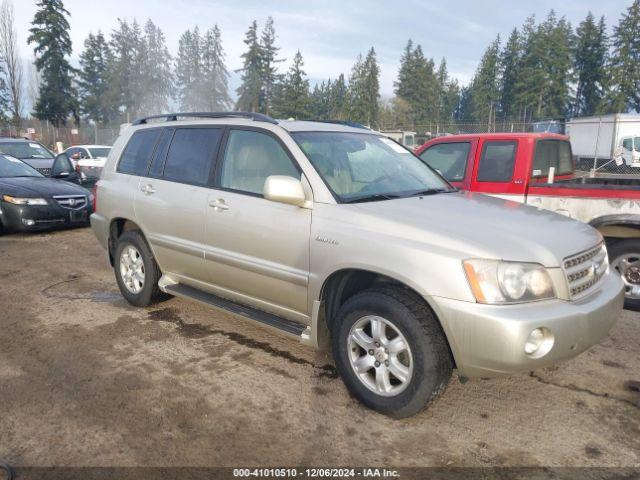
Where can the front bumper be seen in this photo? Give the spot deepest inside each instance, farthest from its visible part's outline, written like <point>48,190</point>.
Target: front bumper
<point>488,340</point>
<point>29,218</point>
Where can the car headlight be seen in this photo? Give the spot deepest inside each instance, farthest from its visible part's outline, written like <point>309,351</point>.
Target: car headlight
<point>24,201</point>
<point>498,282</point>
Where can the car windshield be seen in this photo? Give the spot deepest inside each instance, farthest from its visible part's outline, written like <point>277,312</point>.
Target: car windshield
<point>12,167</point>
<point>24,150</point>
<point>99,151</point>
<point>364,167</point>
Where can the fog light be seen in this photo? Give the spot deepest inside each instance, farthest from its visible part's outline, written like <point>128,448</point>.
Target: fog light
<point>539,342</point>
<point>28,222</point>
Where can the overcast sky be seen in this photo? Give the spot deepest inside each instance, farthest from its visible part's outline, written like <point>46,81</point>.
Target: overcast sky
<point>331,33</point>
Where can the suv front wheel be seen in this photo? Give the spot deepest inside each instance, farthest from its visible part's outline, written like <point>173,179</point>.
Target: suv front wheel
<point>391,351</point>
<point>137,272</point>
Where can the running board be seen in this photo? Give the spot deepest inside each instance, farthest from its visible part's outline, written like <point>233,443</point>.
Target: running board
<point>286,326</point>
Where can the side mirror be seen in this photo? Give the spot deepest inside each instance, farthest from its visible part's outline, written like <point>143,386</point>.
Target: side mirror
<point>283,189</point>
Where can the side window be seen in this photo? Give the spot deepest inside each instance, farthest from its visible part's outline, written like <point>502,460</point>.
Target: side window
<point>552,153</point>
<point>250,158</point>
<point>449,159</point>
<point>190,155</point>
<point>137,153</point>
<point>497,162</point>
<point>627,144</point>
<point>157,164</point>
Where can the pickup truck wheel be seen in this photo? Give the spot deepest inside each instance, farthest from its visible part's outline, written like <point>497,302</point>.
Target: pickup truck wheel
<point>625,259</point>
<point>391,351</point>
<point>136,270</point>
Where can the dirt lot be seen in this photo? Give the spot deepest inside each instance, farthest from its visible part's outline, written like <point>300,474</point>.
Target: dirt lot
<point>87,380</point>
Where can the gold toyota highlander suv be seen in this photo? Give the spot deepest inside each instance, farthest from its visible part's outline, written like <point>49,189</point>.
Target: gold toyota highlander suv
<point>333,234</point>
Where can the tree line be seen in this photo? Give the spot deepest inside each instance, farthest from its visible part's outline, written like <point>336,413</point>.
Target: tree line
<point>545,69</point>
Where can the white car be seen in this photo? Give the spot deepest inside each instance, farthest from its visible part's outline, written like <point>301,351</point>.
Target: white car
<point>88,160</point>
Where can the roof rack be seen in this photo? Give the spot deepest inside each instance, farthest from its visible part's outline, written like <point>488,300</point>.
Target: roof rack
<point>172,117</point>
<point>347,123</point>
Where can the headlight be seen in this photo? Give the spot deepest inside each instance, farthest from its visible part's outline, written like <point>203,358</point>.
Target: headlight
<point>24,201</point>
<point>498,282</point>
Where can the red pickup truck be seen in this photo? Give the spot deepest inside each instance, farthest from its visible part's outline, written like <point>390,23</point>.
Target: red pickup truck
<point>516,166</point>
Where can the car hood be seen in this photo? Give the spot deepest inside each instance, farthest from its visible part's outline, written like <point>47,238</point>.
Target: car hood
<point>38,187</point>
<point>475,225</point>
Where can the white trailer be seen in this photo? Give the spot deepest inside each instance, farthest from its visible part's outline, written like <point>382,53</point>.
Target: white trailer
<point>606,137</point>
<point>408,139</point>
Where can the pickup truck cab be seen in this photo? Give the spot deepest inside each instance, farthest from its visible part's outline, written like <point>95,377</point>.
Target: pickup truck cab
<point>330,233</point>
<point>516,166</point>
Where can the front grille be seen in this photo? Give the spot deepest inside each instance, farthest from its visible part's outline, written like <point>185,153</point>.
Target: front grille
<point>45,171</point>
<point>584,270</point>
<point>72,202</point>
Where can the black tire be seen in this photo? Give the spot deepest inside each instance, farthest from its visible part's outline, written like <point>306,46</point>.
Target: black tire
<point>432,361</point>
<point>150,292</point>
<point>618,249</point>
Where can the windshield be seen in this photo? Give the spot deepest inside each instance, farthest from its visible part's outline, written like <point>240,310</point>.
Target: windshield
<point>24,150</point>
<point>99,152</point>
<point>362,167</point>
<point>12,167</point>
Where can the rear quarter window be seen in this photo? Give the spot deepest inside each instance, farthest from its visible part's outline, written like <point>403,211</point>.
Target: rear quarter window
<point>137,154</point>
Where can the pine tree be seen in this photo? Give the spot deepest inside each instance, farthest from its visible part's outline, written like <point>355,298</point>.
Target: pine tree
<point>291,98</point>
<point>448,94</point>
<point>250,92</point>
<point>126,69</point>
<point>215,77</point>
<point>50,33</point>
<point>93,80</point>
<point>188,71</point>
<point>590,59</point>
<point>269,74</point>
<point>559,67</point>
<point>624,92</point>
<point>364,89</point>
<point>338,99</point>
<point>484,93</point>
<point>509,68</point>
<point>157,79</point>
<point>320,101</point>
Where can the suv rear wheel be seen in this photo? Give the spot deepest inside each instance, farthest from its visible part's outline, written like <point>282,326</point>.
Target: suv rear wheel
<point>391,351</point>
<point>136,270</point>
<point>624,256</point>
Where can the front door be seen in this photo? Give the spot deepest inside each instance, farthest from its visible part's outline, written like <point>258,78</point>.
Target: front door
<point>257,250</point>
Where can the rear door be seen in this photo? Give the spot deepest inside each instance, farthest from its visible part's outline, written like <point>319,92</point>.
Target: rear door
<point>171,199</point>
<point>257,250</point>
<point>497,172</point>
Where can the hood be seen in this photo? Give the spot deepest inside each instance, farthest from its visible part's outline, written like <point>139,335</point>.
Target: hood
<point>475,225</point>
<point>40,187</point>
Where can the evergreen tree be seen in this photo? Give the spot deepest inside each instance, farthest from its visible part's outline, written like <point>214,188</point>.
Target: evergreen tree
<point>364,89</point>
<point>157,79</point>
<point>338,99</point>
<point>189,71</point>
<point>93,80</point>
<point>320,101</point>
<point>448,94</point>
<point>250,92</point>
<point>624,94</point>
<point>484,93</point>
<point>215,77</point>
<point>5,97</point>
<point>292,93</point>
<point>50,33</point>
<point>126,69</point>
<point>509,68</point>
<point>590,59</point>
<point>269,74</point>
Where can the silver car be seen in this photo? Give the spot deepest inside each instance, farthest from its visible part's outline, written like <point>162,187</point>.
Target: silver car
<point>336,235</point>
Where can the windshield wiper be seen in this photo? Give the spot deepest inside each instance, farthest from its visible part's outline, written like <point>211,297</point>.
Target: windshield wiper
<point>373,198</point>
<point>432,191</point>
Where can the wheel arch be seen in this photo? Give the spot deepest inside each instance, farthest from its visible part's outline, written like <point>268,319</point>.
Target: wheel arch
<point>117,227</point>
<point>617,225</point>
<point>342,284</point>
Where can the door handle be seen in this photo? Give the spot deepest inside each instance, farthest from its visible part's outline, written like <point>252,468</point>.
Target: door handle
<point>147,189</point>
<point>219,204</point>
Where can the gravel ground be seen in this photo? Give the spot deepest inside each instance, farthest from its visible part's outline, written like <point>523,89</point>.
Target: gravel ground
<point>87,380</point>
